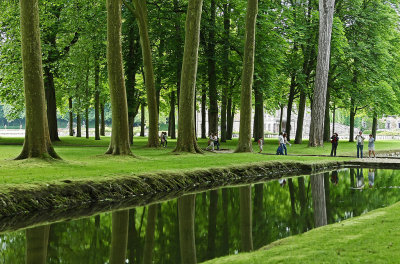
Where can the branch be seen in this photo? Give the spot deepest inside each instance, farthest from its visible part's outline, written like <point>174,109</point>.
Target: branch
<point>73,41</point>
<point>130,8</point>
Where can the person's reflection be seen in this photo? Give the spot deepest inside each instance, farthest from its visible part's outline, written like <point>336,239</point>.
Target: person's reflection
<point>334,177</point>
<point>186,210</point>
<point>282,182</point>
<point>119,236</point>
<point>246,218</point>
<point>371,178</point>
<point>360,178</point>
<point>37,239</point>
<point>318,196</point>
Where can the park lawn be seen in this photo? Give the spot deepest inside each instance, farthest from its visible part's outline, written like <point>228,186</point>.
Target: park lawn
<point>370,238</point>
<point>84,159</point>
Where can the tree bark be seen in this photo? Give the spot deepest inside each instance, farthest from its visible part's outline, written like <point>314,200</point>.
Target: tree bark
<point>225,227</point>
<point>225,71</point>
<point>327,119</point>
<point>212,224</point>
<point>230,115</point>
<point>300,118</point>
<point>319,203</point>
<point>178,49</point>
<point>71,117</point>
<point>78,125</point>
<point>142,119</point>
<point>246,219</point>
<point>97,100</point>
<point>186,127</point>
<point>119,144</point>
<point>374,126</point>
<point>245,144</point>
<point>150,231</point>
<point>119,237</point>
<point>203,112</point>
<point>259,109</point>
<point>186,212</point>
<point>352,116</point>
<point>280,119</point>
<point>102,121</point>
<point>326,9</point>
<point>51,104</point>
<point>37,240</point>
<point>290,104</point>
<point>141,11</point>
<point>37,143</point>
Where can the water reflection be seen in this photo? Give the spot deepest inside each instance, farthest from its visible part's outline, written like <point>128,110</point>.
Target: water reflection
<point>195,228</point>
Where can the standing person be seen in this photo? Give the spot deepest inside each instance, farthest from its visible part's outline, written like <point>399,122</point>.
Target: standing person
<point>371,177</point>
<point>285,141</point>
<point>211,142</point>
<point>371,146</point>
<point>216,141</point>
<point>260,143</point>
<point>360,144</point>
<point>164,139</point>
<point>334,141</point>
<point>281,142</point>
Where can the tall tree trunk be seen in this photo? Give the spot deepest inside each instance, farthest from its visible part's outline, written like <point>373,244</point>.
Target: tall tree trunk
<point>280,119</point>
<point>78,125</point>
<point>71,117</point>
<point>326,9</point>
<point>374,126</point>
<point>300,117</point>
<point>212,224</point>
<point>203,112</point>
<point>141,14</point>
<point>142,119</point>
<point>186,127</point>
<point>225,226</point>
<point>102,121</point>
<point>87,122</point>
<point>150,231</point>
<point>37,240</point>
<point>97,101</point>
<point>51,104</point>
<point>178,48</point>
<point>37,143</point>
<point>159,75</point>
<point>327,119</point>
<point>259,109</point>
<point>119,237</point>
<point>292,197</point>
<point>212,76</point>
<point>290,104</point>
<point>352,116</point>
<point>245,144</point>
<point>171,123</point>
<point>186,212</point>
<point>318,195</point>
<point>334,118</point>
<point>245,219</point>
<point>87,100</point>
<point>119,144</point>
<point>225,71</point>
<point>161,235</point>
<point>230,115</point>
<point>133,238</point>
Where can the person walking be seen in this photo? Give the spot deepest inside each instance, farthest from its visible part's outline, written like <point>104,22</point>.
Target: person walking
<point>360,144</point>
<point>216,141</point>
<point>281,142</point>
<point>371,146</point>
<point>211,142</point>
<point>285,142</point>
<point>334,141</point>
<point>260,143</point>
<point>164,139</point>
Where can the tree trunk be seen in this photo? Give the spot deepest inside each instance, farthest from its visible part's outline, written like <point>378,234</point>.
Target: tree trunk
<point>37,143</point>
<point>71,117</point>
<point>159,75</point>
<point>230,115</point>
<point>300,118</point>
<point>171,120</point>
<point>186,212</point>
<point>119,237</point>
<point>327,119</point>
<point>259,109</point>
<point>51,104</point>
<point>225,226</point>
<point>133,238</point>
<point>245,144</point>
<point>212,224</point>
<point>318,196</point>
<point>374,126</point>
<point>292,197</point>
<point>142,119</point>
<point>280,120</point>
<point>203,112</point>
<point>290,105</point>
<point>334,118</point>
<point>150,231</point>
<point>225,71</point>
<point>186,130</point>
<point>78,125</point>
<point>119,144</point>
<point>245,219</point>
<point>87,122</point>
<point>178,48</point>
<point>87,101</point>
<point>212,77</point>
<point>102,121</point>
<point>326,9</point>
<point>37,240</point>
<point>352,116</point>
<point>96,101</point>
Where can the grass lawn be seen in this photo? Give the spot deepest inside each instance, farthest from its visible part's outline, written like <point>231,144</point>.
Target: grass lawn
<point>84,159</point>
<point>370,238</point>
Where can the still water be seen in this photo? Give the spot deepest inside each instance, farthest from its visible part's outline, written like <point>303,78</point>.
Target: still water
<point>206,225</point>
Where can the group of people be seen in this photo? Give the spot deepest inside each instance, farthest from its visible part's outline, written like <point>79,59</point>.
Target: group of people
<point>360,144</point>
<point>282,140</point>
<point>213,142</point>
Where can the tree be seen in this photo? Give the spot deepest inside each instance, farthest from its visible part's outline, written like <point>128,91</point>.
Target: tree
<point>326,9</point>
<point>245,144</point>
<point>119,237</point>
<point>37,239</point>
<point>186,210</point>
<point>37,142</point>
<point>119,144</point>
<point>186,132</point>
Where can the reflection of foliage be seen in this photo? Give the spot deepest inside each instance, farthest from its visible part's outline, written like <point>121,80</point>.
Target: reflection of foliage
<point>88,240</point>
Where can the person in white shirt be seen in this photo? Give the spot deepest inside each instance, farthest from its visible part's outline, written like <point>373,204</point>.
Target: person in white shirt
<point>211,142</point>
<point>285,141</point>
<point>360,144</point>
<point>281,142</point>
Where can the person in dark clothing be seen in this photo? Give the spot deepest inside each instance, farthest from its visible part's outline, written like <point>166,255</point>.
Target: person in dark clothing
<point>334,141</point>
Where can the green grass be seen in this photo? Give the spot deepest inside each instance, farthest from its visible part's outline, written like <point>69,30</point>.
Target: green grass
<point>370,238</point>
<point>84,159</point>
